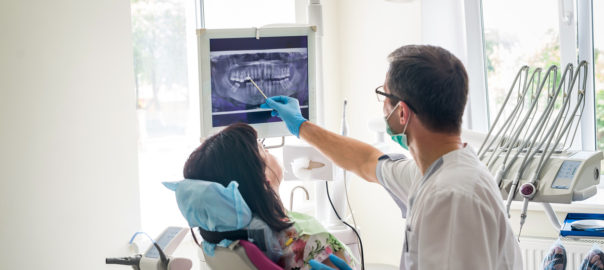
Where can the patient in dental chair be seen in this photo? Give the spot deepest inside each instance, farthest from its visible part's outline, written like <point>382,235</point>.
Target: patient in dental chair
<point>236,154</point>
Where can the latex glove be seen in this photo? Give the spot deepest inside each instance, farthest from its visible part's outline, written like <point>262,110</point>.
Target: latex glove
<point>288,109</point>
<point>339,263</point>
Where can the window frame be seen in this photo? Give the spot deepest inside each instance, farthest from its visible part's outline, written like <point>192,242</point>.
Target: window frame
<point>478,111</point>
<point>586,52</point>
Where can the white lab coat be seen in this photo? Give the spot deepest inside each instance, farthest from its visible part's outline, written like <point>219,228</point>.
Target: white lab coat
<point>455,214</point>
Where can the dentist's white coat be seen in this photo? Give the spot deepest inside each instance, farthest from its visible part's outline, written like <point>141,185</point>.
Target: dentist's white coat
<point>455,214</point>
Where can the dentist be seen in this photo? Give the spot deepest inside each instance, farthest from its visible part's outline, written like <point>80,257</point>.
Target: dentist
<point>455,217</point>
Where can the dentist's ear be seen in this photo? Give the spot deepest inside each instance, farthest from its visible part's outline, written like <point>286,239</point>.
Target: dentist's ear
<point>405,111</point>
<point>403,107</point>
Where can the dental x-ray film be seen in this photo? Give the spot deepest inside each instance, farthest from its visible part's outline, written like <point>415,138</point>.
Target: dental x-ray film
<point>278,65</point>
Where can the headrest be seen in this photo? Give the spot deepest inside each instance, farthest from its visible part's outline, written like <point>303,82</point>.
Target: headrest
<point>212,207</point>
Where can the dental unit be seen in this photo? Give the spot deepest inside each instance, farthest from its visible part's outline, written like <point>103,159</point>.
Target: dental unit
<point>531,151</point>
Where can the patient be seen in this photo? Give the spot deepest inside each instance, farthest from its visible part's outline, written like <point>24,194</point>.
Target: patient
<point>235,154</point>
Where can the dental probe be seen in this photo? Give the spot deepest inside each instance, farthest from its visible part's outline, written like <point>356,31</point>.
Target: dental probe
<point>248,78</point>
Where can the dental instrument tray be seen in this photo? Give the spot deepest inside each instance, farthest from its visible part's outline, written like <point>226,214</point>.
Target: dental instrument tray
<point>583,225</point>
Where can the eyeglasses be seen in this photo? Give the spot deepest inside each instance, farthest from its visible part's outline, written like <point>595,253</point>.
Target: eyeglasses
<point>381,96</point>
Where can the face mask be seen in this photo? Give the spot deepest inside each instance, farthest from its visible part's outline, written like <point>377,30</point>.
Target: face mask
<point>401,138</point>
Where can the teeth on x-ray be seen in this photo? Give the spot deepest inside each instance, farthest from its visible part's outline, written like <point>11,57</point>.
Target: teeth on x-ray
<point>260,71</point>
<point>276,73</point>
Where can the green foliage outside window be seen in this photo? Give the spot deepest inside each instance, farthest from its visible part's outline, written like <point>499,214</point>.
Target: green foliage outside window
<point>599,74</point>
<point>548,55</point>
<point>159,43</point>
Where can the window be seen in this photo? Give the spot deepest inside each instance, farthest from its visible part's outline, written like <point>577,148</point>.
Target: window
<point>532,38</point>
<point>598,27</point>
<point>241,13</point>
<point>166,77</point>
<point>541,33</point>
<point>164,56</point>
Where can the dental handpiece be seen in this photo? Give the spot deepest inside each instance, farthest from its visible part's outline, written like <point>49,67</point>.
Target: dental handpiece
<point>132,261</point>
<point>523,216</point>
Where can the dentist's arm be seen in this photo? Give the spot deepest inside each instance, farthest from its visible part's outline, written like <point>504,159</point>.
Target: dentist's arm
<point>350,154</point>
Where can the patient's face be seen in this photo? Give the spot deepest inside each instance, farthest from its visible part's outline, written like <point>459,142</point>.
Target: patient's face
<point>273,172</point>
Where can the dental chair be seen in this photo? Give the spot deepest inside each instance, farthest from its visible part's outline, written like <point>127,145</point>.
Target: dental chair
<point>241,254</point>
<point>225,223</point>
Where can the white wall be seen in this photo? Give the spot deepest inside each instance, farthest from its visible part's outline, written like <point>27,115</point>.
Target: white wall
<point>359,35</point>
<point>68,160</point>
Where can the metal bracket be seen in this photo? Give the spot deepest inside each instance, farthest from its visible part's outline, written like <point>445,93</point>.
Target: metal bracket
<point>274,146</point>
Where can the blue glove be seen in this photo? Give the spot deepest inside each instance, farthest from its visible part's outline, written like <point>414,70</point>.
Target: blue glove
<point>288,109</point>
<point>339,263</point>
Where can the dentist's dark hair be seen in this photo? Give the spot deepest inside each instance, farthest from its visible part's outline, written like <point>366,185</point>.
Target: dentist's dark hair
<point>233,154</point>
<point>433,81</point>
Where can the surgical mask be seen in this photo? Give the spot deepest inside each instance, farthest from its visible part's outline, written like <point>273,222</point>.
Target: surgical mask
<point>400,138</point>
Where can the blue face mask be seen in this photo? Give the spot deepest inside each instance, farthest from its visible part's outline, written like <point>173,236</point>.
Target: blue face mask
<point>400,138</point>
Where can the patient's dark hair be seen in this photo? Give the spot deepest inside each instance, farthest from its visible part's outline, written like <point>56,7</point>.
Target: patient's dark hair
<point>233,154</point>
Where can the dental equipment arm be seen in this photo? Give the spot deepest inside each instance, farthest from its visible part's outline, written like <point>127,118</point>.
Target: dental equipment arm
<point>514,138</point>
<point>531,134</point>
<point>552,216</point>
<point>359,157</point>
<point>534,135</point>
<point>510,124</point>
<point>518,77</point>
<point>529,189</point>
